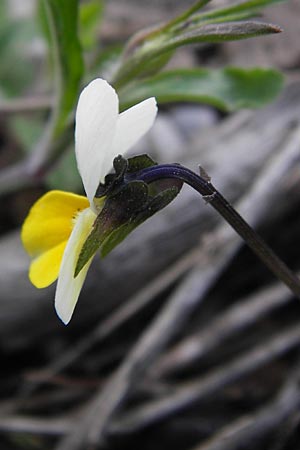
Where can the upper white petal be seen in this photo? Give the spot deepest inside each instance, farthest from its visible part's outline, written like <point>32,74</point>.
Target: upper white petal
<point>68,288</point>
<point>132,124</point>
<point>96,120</point>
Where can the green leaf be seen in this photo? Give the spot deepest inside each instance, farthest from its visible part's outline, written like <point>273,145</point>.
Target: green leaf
<point>156,64</point>
<point>145,52</point>
<point>63,20</point>
<point>105,60</point>
<point>237,8</point>
<point>243,15</point>
<point>230,31</point>
<point>137,64</point>
<point>187,13</point>
<point>227,89</point>
<point>90,15</point>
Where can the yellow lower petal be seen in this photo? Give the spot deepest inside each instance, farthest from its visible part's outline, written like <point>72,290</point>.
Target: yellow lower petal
<point>51,220</point>
<point>44,269</point>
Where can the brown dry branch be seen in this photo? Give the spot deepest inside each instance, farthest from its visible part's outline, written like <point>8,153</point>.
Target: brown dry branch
<point>214,256</point>
<point>19,424</point>
<point>233,161</point>
<point>172,317</point>
<point>254,427</point>
<point>119,317</point>
<point>170,272</point>
<point>25,105</point>
<point>202,389</point>
<point>243,314</point>
<point>100,410</point>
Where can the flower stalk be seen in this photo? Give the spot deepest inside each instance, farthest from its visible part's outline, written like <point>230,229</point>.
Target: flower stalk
<point>202,184</point>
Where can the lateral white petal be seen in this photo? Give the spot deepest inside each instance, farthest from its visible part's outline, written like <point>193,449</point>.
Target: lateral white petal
<point>96,120</point>
<point>132,124</point>
<point>68,288</point>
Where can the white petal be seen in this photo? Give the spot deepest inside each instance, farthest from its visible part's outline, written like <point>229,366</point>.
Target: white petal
<point>96,119</point>
<point>131,126</point>
<point>68,288</point>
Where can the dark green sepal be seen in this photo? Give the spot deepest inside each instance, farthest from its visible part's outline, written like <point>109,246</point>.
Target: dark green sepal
<point>117,210</point>
<point>158,186</point>
<point>162,199</point>
<point>128,203</point>
<point>154,205</point>
<point>103,189</point>
<point>140,162</point>
<point>89,248</point>
<point>113,181</point>
<point>120,165</point>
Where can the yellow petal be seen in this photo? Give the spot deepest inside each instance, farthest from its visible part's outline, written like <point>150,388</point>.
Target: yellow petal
<point>45,268</point>
<point>50,221</point>
<point>68,287</point>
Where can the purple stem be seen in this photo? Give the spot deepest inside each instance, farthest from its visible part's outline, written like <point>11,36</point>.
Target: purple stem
<point>202,184</point>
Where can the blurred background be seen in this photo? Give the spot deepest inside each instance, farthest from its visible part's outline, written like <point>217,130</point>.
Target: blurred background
<point>181,339</point>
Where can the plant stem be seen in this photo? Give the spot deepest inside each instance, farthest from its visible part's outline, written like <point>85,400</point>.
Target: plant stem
<point>186,14</point>
<point>202,184</point>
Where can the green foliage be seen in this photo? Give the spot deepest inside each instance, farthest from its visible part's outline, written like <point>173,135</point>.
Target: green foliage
<point>63,23</point>
<point>90,15</point>
<point>72,33</point>
<point>228,89</point>
<point>250,7</point>
<point>216,25</point>
<point>231,31</point>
